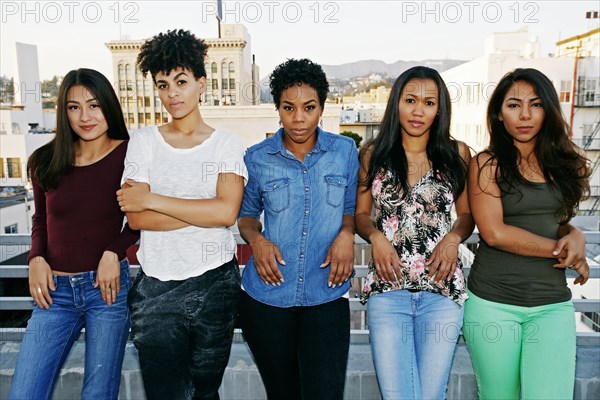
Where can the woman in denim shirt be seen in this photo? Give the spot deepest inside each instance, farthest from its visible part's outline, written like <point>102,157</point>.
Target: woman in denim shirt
<point>294,311</point>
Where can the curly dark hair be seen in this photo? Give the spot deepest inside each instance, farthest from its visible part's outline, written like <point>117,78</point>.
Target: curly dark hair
<point>296,72</point>
<point>167,51</point>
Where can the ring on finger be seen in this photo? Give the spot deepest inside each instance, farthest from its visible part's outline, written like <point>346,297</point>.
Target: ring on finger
<point>39,290</point>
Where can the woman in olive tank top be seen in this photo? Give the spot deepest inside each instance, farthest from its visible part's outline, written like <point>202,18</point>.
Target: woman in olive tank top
<point>523,190</point>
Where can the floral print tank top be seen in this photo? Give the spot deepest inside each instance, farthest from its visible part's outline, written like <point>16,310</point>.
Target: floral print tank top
<point>414,225</point>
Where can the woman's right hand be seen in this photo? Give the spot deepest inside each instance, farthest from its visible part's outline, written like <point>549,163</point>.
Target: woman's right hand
<point>266,256</point>
<point>40,280</point>
<point>386,259</point>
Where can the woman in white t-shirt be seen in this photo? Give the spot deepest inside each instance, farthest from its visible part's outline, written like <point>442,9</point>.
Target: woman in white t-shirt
<point>183,186</point>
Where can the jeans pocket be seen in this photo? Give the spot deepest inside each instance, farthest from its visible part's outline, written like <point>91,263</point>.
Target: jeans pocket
<point>277,194</point>
<point>336,189</point>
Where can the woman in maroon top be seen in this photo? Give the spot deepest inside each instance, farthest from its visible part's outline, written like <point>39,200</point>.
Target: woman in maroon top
<point>78,273</point>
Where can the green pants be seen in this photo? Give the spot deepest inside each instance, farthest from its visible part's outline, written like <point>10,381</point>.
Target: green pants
<point>512,347</point>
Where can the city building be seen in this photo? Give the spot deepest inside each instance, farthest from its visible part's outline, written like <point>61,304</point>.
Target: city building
<point>583,96</point>
<point>231,77</point>
<point>20,119</point>
<point>472,83</point>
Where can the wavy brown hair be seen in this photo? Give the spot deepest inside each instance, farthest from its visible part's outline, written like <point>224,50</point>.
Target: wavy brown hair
<point>563,166</point>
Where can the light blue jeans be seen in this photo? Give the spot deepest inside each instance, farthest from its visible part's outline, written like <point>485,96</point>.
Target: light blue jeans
<point>51,333</point>
<point>413,337</point>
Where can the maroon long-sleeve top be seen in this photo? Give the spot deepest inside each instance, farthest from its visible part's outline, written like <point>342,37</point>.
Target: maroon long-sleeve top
<point>77,221</point>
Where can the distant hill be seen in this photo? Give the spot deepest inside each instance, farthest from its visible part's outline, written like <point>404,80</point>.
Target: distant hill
<point>368,67</point>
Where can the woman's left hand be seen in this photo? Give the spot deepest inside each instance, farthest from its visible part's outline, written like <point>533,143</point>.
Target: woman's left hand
<point>133,196</point>
<point>442,262</point>
<point>108,277</point>
<point>340,258</point>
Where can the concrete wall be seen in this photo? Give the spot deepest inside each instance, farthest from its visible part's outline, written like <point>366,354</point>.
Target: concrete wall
<point>242,380</point>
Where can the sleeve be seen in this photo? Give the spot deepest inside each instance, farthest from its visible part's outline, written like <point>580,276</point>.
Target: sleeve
<point>39,231</point>
<point>252,204</point>
<point>126,238</point>
<point>350,196</point>
<point>137,159</point>
<point>232,160</point>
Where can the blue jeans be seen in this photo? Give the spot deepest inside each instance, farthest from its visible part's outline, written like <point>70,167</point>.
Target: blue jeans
<point>50,334</point>
<point>413,337</point>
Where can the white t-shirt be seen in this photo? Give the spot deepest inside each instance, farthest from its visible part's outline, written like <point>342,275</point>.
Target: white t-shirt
<point>188,174</point>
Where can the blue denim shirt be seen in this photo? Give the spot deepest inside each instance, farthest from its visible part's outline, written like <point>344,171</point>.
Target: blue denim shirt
<point>304,203</point>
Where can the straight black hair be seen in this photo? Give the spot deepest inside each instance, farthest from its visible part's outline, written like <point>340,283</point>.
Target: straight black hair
<point>386,148</point>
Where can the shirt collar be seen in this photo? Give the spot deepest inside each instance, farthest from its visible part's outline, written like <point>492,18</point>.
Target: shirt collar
<point>324,142</point>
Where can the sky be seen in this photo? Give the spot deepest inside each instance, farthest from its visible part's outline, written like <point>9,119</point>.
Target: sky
<point>72,34</point>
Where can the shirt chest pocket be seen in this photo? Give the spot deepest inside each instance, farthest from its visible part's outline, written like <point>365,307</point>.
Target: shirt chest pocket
<point>336,189</point>
<point>277,194</point>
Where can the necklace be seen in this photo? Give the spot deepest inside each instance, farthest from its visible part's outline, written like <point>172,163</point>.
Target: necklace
<point>95,159</point>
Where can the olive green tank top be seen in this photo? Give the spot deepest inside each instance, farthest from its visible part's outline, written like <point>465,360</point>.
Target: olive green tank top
<point>522,280</point>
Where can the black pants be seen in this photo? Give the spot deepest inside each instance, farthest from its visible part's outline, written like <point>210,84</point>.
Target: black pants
<point>183,332</point>
<point>301,352</point>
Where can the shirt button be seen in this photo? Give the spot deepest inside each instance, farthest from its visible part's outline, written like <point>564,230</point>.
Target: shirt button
<point>306,189</point>
<point>301,255</point>
<point>305,212</point>
<point>301,279</point>
<point>305,171</point>
<point>304,233</point>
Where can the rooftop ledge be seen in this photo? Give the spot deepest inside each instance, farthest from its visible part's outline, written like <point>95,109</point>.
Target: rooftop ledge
<point>242,380</point>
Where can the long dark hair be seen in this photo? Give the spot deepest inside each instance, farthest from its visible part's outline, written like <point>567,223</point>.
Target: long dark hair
<point>386,148</point>
<point>48,164</point>
<point>564,168</point>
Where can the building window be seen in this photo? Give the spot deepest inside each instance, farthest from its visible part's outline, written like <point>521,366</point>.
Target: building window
<point>130,102</point>
<point>14,167</point>
<point>232,99</point>
<point>590,91</point>
<point>224,83</point>
<point>2,168</point>
<point>130,118</point>
<point>157,118</point>
<point>213,68</point>
<point>565,91</point>
<point>165,117</point>
<point>231,83</point>
<point>11,228</point>
<point>148,120</point>
<point>269,134</point>
<point>231,68</point>
<point>215,84</point>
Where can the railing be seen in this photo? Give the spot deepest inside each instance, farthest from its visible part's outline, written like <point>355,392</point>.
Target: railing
<point>18,244</point>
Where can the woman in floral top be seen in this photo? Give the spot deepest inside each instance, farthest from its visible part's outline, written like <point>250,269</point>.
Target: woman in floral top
<point>413,173</point>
